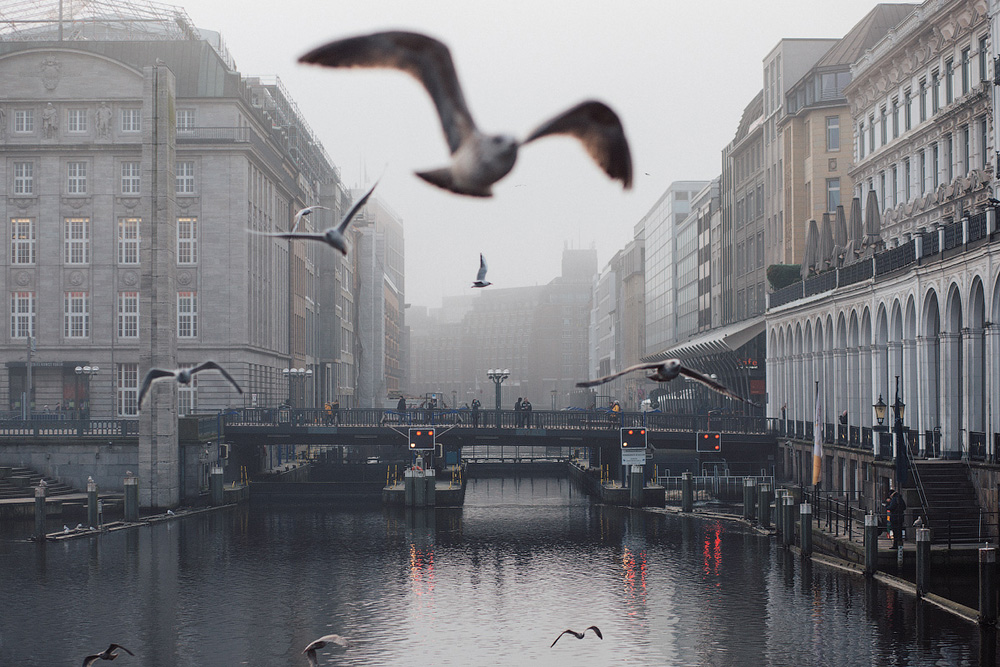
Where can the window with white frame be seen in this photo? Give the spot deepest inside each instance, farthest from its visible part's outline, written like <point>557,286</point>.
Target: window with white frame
<point>76,183</point>
<point>130,178</point>
<point>187,395</point>
<point>983,138</point>
<point>76,121</point>
<point>76,241</point>
<point>128,240</point>
<point>833,133</point>
<point>966,69</point>
<point>187,240</point>
<point>76,311</point>
<point>128,314</point>
<point>966,150</point>
<point>24,178</point>
<point>22,314</point>
<point>127,388</point>
<point>22,241</point>
<point>131,120</point>
<point>187,314</point>
<point>185,120</point>
<point>24,121</point>
<point>185,177</point>
<point>832,194</point>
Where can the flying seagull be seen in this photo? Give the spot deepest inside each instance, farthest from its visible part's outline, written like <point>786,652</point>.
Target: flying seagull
<point>478,160</point>
<point>110,653</point>
<point>182,375</point>
<point>664,371</point>
<point>334,236</point>
<point>303,212</point>
<point>481,276</point>
<point>310,650</point>
<point>579,635</point>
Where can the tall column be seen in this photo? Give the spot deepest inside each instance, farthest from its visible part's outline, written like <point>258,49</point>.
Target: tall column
<point>840,382</point>
<point>867,380</point>
<point>159,454</point>
<point>951,418</point>
<point>927,375</point>
<point>992,387</point>
<point>829,388</point>
<point>974,395</point>
<point>894,367</point>
<point>909,382</point>
<point>853,385</point>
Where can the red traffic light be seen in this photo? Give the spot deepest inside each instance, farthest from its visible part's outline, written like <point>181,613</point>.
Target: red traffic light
<point>633,438</point>
<point>421,438</point>
<point>709,441</point>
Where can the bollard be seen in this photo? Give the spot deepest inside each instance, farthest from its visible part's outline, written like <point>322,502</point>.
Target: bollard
<point>92,503</point>
<point>635,487</point>
<point>409,487</point>
<point>419,489</point>
<point>40,513</point>
<point>779,511</point>
<point>430,481</point>
<point>871,544</point>
<point>789,535</point>
<point>987,586</point>
<point>687,492</point>
<point>131,484</point>
<point>806,529</point>
<point>923,561</point>
<point>749,499</point>
<point>746,500</point>
<point>764,505</point>
<point>215,485</point>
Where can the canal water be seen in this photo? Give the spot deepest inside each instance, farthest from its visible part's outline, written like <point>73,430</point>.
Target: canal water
<point>493,583</point>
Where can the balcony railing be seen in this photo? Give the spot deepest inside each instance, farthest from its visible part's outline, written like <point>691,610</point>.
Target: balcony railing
<point>977,226</point>
<point>895,259</point>
<point>211,135</point>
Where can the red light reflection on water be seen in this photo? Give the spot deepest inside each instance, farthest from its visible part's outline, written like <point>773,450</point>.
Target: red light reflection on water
<point>712,550</point>
<point>422,570</point>
<point>635,567</point>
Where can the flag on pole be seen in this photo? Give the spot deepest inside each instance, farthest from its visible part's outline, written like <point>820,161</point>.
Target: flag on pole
<point>817,439</point>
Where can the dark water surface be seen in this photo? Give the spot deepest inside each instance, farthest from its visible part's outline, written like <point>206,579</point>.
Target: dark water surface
<point>491,584</point>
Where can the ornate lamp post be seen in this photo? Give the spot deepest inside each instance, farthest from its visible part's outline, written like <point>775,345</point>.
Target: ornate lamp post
<point>498,376</point>
<point>88,371</point>
<point>880,408</point>
<point>296,375</point>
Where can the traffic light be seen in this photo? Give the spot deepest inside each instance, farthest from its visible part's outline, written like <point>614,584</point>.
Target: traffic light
<point>421,439</point>
<point>633,438</point>
<point>709,441</point>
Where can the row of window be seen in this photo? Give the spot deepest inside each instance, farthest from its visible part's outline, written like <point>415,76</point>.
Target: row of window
<point>127,392</point>
<point>750,254</point>
<point>76,314</point>
<point>77,174</point>
<point>928,99</point>
<point>77,240</point>
<point>78,119</point>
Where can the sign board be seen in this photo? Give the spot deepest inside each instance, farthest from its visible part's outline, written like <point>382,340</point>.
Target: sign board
<point>634,457</point>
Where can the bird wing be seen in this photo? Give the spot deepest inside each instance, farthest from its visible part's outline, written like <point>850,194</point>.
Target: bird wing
<point>211,364</point>
<point>422,57</point>
<point>117,646</point>
<point>91,659</point>
<point>481,276</point>
<point>597,631</point>
<point>576,634</point>
<point>600,131</point>
<point>311,654</point>
<point>153,374</point>
<point>308,236</point>
<point>608,378</point>
<point>354,210</point>
<point>710,383</point>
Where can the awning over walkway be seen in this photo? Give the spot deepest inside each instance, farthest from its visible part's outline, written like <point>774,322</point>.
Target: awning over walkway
<point>723,340</point>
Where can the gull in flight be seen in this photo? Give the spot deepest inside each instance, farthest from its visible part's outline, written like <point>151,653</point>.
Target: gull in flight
<point>334,236</point>
<point>478,160</point>
<point>481,276</point>
<point>183,376</point>
<point>303,212</point>
<point>110,653</point>
<point>310,650</point>
<point>665,371</point>
<point>579,635</point>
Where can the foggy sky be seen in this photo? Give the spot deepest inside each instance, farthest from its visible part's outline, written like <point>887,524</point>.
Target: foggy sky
<point>678,73</point>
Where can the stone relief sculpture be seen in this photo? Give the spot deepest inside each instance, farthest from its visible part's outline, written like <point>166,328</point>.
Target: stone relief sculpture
<point>104,120</point>
<point>50,121</point>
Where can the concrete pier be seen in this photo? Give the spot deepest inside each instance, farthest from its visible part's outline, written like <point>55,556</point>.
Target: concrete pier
<point>93,517</point>
<point>635,487</point>
<point>750,499</point>
<point>131,484</point>
<point>871,544</point>
<point>40,513</point>
<point>806,528</point>
<point>987,586</point>
<point>215,486</point>
<point>687,492</point>
<point>764,505</point>
<point>923,560</point>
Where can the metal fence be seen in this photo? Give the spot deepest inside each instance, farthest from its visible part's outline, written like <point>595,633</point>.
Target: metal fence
<point>722,488</point>
<point>516,453</point>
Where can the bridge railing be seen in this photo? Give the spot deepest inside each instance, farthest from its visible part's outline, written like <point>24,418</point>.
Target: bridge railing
<point>122,428</point>
<point>725,488</point>
<point>544,419</point>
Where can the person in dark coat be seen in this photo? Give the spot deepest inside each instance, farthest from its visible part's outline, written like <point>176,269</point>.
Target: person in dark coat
<point>518,406</point>
<point>896,508</point>
<point>476,405</point>
<point>526,412</point>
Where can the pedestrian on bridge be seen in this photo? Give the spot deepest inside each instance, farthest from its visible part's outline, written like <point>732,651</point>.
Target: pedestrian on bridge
<point>476,405</point>
<point>526,412</point>
<point>335,410</point>
<point>518,406</point>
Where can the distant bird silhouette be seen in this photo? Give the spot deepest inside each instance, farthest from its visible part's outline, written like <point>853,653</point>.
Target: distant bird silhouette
<point>579,635</point>
<point>481,276</point>
<point>183,376</point>
<point>110,653</point>
<point>310,650</point>
<point>303,212</point>
<point>478,160</point>
<point>665,371</point>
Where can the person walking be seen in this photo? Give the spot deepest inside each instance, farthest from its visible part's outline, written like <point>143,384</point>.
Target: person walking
<point>328,412</point>
<point>896,507</point>
<point>476,405</point>
<point>518,406</point>
<point>401,409</point>
<point>335,409</point>
<point>526,411</point>
<point>616,414</point>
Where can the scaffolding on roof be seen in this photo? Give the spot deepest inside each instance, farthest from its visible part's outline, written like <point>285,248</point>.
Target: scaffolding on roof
<point>101,20</point>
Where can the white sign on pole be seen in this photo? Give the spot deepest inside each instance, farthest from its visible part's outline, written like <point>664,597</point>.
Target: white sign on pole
<point>634,457</point>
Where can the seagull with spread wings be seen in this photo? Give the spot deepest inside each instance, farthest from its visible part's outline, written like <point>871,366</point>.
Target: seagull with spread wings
<point>481,276</point>
<point>303,212</point>
<point>665,371</point>
<point>110,653</point>
<point>579,635</point>
<point>335,237</point>
<point>478,159</point>
<point>183,376</point>
<point>310,650</point>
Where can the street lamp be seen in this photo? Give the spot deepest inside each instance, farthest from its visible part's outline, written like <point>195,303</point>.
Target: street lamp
<point>498,376</point>
<point>296,374</point>
<point>880,410</point>
<point>88,371</point>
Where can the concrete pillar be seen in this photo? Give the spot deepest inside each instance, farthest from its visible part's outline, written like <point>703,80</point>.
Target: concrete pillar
<point>928,370</point>
<point>992,387</point>
<point>131,485</point>
<point>987,586</point>
<point>687,492</point>
<point>40,513</point>
<point>805,529</point>
<point>764,503</point>
<point>430,485</point>
<point>871,544</point>
<point>635,487</point>
<point>159,453</point>
<point>749,499</point>
<point>419,489</point>
<point>974,395</point>
<point>409,487</point>
<point>779,513</point>
<point>788,536</point>
<point>951,418</point>
<point>92,517</point>
<point>215,486</point>
<point>923,560</point>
